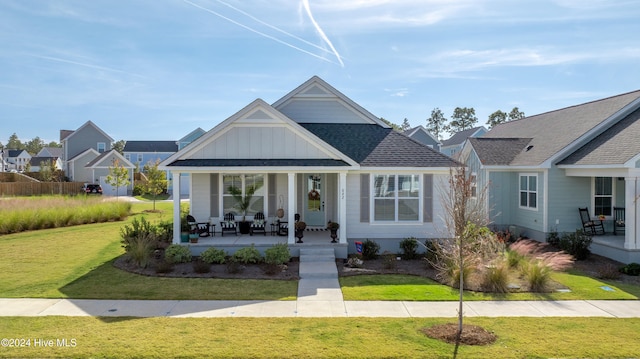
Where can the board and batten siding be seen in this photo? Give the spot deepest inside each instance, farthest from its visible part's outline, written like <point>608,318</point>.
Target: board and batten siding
<point>260,143</point>
<point>321,111</point>
<point>201,206</point>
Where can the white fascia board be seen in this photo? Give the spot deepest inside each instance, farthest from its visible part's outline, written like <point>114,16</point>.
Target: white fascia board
<point>396,170</point>
<point>245,170</point>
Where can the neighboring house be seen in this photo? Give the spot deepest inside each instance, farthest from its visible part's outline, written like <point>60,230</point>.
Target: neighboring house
<point>141,153</point>
<point>36,163</point>
<point>423,136</point>
<point>184,181</point>
<point>50,152</point>
<point>99,168</point>
<point>190,137</point>
<point>16,160</point>
<point>454,144</point>
<point>80,147</point>
<point>539,170</point>
<point>318,154</point>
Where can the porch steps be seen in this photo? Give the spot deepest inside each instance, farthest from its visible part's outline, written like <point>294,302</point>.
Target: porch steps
<point>318,263</point>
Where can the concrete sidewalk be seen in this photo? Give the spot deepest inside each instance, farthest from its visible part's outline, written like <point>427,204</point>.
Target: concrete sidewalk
<point>315,308</point>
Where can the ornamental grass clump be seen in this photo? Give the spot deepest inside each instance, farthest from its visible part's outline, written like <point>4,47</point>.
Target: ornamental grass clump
<point>495,277</point>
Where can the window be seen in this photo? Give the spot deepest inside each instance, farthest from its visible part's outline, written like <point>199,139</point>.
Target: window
<point>139,157</point>
<point>244,183</point>
<point>603,196</point>
<point>529,191</point>
<point>396,198</point>
<point>473,179</point>
<point>101,147</point>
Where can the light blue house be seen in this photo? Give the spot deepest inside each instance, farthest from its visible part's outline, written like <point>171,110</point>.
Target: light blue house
<point>539,170</point>
<point>141,153</point>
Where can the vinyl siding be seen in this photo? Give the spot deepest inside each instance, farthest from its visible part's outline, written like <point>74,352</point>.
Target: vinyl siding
<point>200,185</point>
<point>321,111</point>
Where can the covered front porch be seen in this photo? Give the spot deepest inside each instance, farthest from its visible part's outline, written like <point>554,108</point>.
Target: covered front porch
<point>316,198</point>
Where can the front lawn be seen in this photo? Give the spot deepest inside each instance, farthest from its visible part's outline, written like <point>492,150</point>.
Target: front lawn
<point>314,338</point>
<point>76,262</point>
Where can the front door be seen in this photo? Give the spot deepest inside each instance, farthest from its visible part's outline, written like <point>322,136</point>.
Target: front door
<point>314,200</point>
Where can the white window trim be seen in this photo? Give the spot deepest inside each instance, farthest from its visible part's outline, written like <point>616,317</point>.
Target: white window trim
<point>372,199</point>
<point>222,190</point>
<point>473,178</point>
<point>537,191</point>
<point>592,211</point>
<point>102,145</point>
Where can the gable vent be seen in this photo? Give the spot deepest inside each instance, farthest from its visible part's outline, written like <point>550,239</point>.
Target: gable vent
<point>528,148</point>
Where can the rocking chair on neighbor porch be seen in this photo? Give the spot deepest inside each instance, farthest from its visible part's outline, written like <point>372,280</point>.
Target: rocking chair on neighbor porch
<point>618,220</point>
<point>590,226</point>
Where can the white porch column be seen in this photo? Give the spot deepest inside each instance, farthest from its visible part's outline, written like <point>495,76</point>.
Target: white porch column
<point>342,206</point>
<point>632,211</point>
<point>176,207</point>
<point>291,205</point>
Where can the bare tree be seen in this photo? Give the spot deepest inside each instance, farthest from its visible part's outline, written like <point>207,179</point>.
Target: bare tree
<point>466,218</point>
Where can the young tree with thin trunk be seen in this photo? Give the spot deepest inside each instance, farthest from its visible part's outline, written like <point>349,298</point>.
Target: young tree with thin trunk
<point>466,218</point>
<point>118,176</point>
<point>156,180</point>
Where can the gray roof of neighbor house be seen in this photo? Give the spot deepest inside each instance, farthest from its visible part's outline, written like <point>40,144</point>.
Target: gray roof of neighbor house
<point>615,146</point>
<point>460,137</point>
<point>150,146</point>
<point>553,131</point>
<point>498,151</point>
<point>251,162</point>
<point>376,146</point>
<point>39,161</point>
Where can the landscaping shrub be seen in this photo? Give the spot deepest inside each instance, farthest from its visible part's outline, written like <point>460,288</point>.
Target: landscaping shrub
<point>370,249</point>
<point>631,269</point>
<point>176,253</point>
<point>409,247</point>
<point>247,255</point>
<point>389,260</point>
<point>212,255</point>
<point>278,254</point>
<point>139,250</point>
<point>537,275</point>
<point>553,238</point>
<point>577,244</point>
<point>495,278</point>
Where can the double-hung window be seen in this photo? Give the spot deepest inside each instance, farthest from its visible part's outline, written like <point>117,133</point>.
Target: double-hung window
<point>249,184</point>
<point>603,196</point>
<point>528,191</point>
<point>396,198</point>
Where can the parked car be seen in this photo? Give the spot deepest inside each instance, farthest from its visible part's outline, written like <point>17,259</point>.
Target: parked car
<point>92,188</point>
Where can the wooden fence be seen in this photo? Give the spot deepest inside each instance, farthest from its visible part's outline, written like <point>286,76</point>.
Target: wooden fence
<point>40,188</point>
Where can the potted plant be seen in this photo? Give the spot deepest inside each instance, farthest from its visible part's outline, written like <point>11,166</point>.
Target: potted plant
<point>333,227</point>
<point>184,230</point>
<point>243,203</point>
<point>300,227</point>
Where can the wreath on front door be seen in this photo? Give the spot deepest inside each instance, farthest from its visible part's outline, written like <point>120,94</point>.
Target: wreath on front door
<point>314,195</point>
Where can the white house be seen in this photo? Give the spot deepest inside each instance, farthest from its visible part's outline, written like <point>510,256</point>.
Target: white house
<point>318,154</point>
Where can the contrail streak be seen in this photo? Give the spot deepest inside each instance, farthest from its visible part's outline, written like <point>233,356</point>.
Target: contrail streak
<point>258,32</point>
<point>273,27</point>
<point>57,59</point>
<point>322,34</point>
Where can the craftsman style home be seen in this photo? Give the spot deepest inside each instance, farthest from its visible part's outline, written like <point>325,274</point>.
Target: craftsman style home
<point>318,156</point>
<point>541,169</point>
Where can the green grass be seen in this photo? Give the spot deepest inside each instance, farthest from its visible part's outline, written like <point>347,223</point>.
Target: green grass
<point>413,288</point>
<point>76,262</point>
<point>317,337</point>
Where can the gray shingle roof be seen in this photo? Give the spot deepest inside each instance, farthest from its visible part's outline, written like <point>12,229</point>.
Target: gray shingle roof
<point>376,146</point>
<point>398,150</point>
<point>615,146</point>
<point>150,146</point>
<point>553,131</point>
<point>460,137</point>
<point>498,151</point>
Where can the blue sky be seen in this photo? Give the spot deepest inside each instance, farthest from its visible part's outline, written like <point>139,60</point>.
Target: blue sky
<point>157,69</point>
